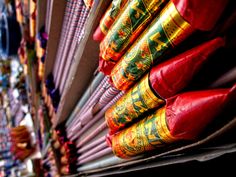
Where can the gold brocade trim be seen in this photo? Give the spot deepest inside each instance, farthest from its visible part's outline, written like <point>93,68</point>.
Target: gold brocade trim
<point>145,135</point>
<point>104,20</point>
<point>132,105</point>
<point>174,26</point>
<point>162,127</point>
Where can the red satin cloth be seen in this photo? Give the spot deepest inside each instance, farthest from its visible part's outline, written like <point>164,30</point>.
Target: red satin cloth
<point>201,14</point>
<point>189,113</point>
<point>98,35</point>
<point>106,66</point>
<point>170,77</point>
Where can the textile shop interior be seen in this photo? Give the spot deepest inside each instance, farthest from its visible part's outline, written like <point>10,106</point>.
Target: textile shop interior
<point>117,87</point>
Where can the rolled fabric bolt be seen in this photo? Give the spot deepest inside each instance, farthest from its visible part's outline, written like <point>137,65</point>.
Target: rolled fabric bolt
<point>69,13</point>
<point>132,105</point>
<point>112,12</point>
<point>80,33</point>
<point>98,116</point>
<point>92,87</point>
<point>131,22</point>
<point>87,113</point>
<point>93,151</point>
<point>105,99</point>
<point>93,99</point>
<point>101,153</point>
<point>96,91</point>
<point>163,81</point>
<point>183,118</point>
<point>91,145</point>
<point>65,26</point>
<point>76,12</point>
<point>165,32</point>
<point>109,161</point>
<point>69,48</point>
<point>162,76</point>
<point>92,134</point>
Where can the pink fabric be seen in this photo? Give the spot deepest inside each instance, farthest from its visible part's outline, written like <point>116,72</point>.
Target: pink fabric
<point>93,151</point>
<point>95,156</point>
<point>91,145</point>
<point>93,134</point>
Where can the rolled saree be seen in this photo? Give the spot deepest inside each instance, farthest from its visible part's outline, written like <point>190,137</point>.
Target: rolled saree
<point>164,81</point>
<point>165,32</point>
<point>108,19</point>
<point>128,26</point>
<point>183,118</point>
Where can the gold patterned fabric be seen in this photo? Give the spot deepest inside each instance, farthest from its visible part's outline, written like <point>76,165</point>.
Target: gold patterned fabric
<point>137,101</point>
<point>145,135</point>
<point>166,31</point>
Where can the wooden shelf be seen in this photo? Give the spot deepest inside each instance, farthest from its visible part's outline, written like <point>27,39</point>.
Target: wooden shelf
<point>84,64</point>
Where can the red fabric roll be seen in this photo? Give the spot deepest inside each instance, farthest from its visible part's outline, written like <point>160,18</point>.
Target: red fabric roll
<point>98,35</point>
<point>189,113</point>
<point>106,66</point>
<point>173,75</point>
<point>201,14</point>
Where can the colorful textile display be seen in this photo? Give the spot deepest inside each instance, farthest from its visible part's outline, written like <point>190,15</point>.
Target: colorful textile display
<point>108,19</point>
<point>183,118</point>
<point>132,21</point>
<point>161,35</point>
<point>164,81</point>
<point>165,32</point>
<point>132,105</point>
<point>88,93</point>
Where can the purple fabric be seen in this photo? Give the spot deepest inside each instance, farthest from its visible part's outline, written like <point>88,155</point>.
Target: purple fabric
<point>93,151</point>
<point>76,120</point>
<point>65,26</point>
<point>94,99</point>
<point>92,145</point>
<point>95,156</point>
<point>92,135</point>
<point>107,96</point>
<point>78,32</point>
<point>98,116</point>
<point>87,116</point>
<point>73,21</point>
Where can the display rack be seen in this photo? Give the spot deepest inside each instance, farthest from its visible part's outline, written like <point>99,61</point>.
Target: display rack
<point>84,68</point>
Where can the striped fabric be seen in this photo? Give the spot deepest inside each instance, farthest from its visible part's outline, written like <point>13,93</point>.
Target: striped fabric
<point>98,90</point>
<point>69,6</point>
<point>74,16</point>
<point>87,94</point>
<point>78,35</point>
<point>78,132</point>
<point>108,96</point>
